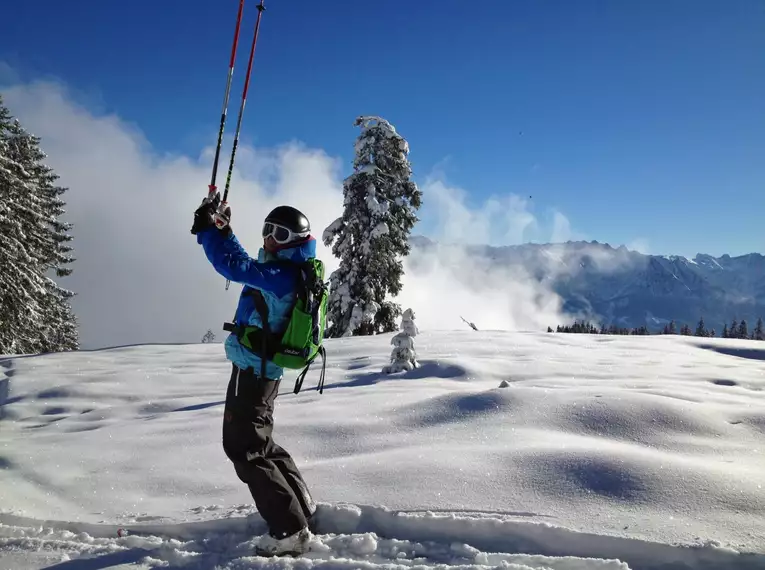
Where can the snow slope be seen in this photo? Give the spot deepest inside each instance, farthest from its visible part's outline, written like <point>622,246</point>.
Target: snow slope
<point>603,452</point>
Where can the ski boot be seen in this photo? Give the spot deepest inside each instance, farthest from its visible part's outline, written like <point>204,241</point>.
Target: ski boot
<point>293,545</point>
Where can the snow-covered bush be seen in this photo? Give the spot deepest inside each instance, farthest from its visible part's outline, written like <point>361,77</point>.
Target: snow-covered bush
<point>403,356</point>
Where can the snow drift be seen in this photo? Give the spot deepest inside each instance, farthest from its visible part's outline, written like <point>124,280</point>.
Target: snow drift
<point>600,452</point>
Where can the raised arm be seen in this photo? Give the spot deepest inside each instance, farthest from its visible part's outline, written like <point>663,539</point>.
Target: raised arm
<point>229,258</point>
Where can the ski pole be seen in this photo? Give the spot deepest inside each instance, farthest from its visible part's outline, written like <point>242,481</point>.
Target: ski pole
<point>261,8</point>
<point>212,186</point>
<point>221,219</point>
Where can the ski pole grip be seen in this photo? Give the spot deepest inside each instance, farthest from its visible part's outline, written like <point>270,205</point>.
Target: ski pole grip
<point>222,216</point>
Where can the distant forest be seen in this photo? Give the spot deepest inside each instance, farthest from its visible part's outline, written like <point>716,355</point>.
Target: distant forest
<point>735,330</point>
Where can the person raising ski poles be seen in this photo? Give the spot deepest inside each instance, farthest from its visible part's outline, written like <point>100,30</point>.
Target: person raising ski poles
<point>279,323</point>
<point>269,293</point>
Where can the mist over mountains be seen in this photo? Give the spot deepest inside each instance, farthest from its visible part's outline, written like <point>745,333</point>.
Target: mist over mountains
<point>616,285</point>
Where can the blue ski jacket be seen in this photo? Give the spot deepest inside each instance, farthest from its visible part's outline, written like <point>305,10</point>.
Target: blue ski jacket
<point>277,282</point>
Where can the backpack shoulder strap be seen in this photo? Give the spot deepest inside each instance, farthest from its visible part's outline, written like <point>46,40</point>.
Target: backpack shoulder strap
<point>262,308</point>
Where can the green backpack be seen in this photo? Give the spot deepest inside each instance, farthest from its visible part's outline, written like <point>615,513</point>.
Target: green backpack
<point>301,342</point>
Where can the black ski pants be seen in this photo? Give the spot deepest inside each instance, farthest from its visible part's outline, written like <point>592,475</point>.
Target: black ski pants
<point>280,493</point>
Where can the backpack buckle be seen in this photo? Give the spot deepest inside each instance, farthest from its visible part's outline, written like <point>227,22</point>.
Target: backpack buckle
<point>233,328</point>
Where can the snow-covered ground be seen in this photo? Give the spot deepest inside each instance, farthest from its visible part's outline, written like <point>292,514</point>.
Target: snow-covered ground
<point>603,452</point>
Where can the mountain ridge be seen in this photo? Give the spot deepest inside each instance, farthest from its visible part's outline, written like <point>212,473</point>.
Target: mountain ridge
<point>424,241</point>
<point>620,286</point>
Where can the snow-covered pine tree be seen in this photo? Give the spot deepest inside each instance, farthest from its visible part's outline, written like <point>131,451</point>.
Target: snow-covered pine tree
<point>743,331</point>
<point>701,329</point>
<point>759,333</point>
<point>36,314</point>
<point>59,325</point>
<point>20,283</point>
<point>380,201</point>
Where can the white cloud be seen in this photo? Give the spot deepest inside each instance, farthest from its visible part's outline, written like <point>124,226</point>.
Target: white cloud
<point>140,276</point>
<point>508,219</point>
<point>448,283</point>
<point>640,245</point>
<point>444,284</point>
<point>561,228</point>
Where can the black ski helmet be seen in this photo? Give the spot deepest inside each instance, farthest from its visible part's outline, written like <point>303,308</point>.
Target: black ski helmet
<point>290,218</point>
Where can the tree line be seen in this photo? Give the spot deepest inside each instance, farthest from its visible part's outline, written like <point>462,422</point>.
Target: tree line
<point>737,329</point>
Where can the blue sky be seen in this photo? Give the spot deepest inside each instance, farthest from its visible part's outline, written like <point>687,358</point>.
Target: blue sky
<point>638,121</point>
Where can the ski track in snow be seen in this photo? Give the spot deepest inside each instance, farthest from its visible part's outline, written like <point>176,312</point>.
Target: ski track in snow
<point>350,536</point>
<point>602,453</point>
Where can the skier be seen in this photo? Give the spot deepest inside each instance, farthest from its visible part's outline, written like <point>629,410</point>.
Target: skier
<point>277,486</point>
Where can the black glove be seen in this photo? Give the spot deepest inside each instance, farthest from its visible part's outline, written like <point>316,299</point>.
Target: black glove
<point>203,216</point>
<point>210,214</point>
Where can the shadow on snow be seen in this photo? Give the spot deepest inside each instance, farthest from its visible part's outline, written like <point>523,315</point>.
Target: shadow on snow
<point>427,369</point>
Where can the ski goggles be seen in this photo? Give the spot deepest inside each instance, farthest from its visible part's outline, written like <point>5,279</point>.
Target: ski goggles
<point>281,234</point>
